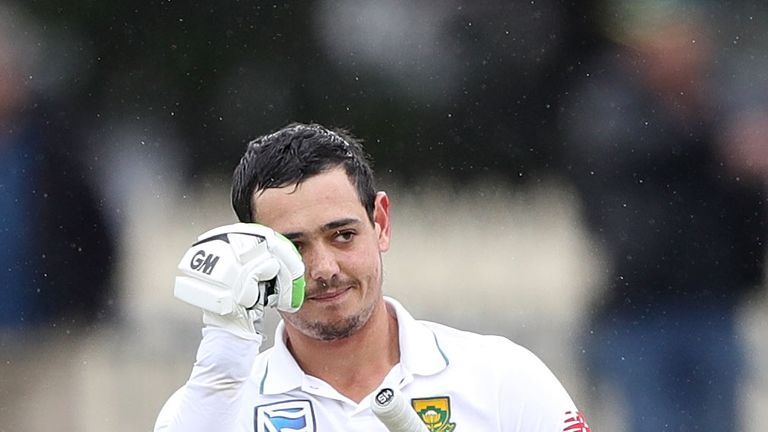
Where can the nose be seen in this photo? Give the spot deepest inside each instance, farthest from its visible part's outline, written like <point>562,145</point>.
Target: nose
<point>321,263</point>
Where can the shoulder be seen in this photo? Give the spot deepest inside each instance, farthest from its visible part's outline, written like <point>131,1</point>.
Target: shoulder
<point>416,334</point>
<point>492,355</point>
<point>522,385</point>
<point>472,344</point>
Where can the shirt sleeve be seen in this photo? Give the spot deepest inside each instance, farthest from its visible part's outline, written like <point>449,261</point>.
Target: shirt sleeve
<point>537,398</point>
<point>210,399</point>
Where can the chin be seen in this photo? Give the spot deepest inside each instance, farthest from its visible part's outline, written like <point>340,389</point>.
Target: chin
<point>329,328</point>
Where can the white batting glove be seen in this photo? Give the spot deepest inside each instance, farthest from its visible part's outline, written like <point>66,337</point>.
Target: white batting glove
<point>234,271</point>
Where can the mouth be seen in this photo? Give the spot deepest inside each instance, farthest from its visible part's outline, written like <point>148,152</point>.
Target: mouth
<point>329,295</point>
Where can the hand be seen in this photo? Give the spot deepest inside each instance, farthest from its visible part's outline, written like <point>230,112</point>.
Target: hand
<point>234,271</point>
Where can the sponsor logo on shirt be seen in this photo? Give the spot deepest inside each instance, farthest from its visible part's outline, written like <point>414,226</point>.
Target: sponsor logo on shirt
<point>435,413</point>
<point>285,416</point>
<point>575,422</point>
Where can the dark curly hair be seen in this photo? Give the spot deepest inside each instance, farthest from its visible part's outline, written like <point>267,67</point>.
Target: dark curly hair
<point>295,153</point>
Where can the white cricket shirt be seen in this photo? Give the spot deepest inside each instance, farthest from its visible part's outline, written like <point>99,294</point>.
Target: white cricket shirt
<point>455,380</point>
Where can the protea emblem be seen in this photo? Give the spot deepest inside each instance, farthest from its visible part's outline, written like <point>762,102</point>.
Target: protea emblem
<point>435,413</point>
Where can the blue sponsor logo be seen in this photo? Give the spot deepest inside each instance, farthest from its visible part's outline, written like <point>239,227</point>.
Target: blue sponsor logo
<point>285,416</point>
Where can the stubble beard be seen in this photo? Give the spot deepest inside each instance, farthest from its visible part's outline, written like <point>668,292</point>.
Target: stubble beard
<point>336,330</point>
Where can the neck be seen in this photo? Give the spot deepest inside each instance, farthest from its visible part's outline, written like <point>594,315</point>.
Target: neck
<point>356,365</point>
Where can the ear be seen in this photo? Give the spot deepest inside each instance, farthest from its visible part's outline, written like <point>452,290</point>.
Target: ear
<point>381,221</point>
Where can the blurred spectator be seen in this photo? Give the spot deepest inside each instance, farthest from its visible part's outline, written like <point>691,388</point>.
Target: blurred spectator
<point>680,211</point>
<point>56,251</point>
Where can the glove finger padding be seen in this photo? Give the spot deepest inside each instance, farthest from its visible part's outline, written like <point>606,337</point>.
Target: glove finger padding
<point>285,291</point>
<point>253,289</point>
<point>289,287</point>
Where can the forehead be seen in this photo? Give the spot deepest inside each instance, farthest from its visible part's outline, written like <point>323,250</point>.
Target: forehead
<point>318,200</point>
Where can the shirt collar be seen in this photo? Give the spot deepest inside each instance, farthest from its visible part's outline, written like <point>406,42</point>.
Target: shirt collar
<point>420,353</point>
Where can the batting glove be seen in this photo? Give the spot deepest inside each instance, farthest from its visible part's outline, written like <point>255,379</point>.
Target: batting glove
<point>234,271</point>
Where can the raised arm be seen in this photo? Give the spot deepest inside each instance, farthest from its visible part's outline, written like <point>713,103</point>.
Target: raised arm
<point>232,273</point>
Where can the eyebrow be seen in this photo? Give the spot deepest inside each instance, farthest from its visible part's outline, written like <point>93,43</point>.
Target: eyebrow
<point>330,226</point>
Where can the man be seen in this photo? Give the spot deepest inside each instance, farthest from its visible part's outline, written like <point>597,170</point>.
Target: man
<point>672,194</point>
<point>54,231</point>
<point>315,187</point>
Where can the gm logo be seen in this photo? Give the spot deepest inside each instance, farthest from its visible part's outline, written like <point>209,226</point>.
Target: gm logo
<point>203,263</point>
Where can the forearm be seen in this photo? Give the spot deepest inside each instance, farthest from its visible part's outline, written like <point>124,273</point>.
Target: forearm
<point>210,400</point>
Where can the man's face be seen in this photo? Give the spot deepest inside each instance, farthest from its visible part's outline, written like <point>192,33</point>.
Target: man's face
<point>340,247</point>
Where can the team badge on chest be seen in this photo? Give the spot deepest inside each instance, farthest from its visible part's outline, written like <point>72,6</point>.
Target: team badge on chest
<point>435,413</point>
<point>285,416</point>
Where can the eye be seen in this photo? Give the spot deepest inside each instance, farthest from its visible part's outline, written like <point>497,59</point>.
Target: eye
<point>344,236</point>
<point>299,246</point>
